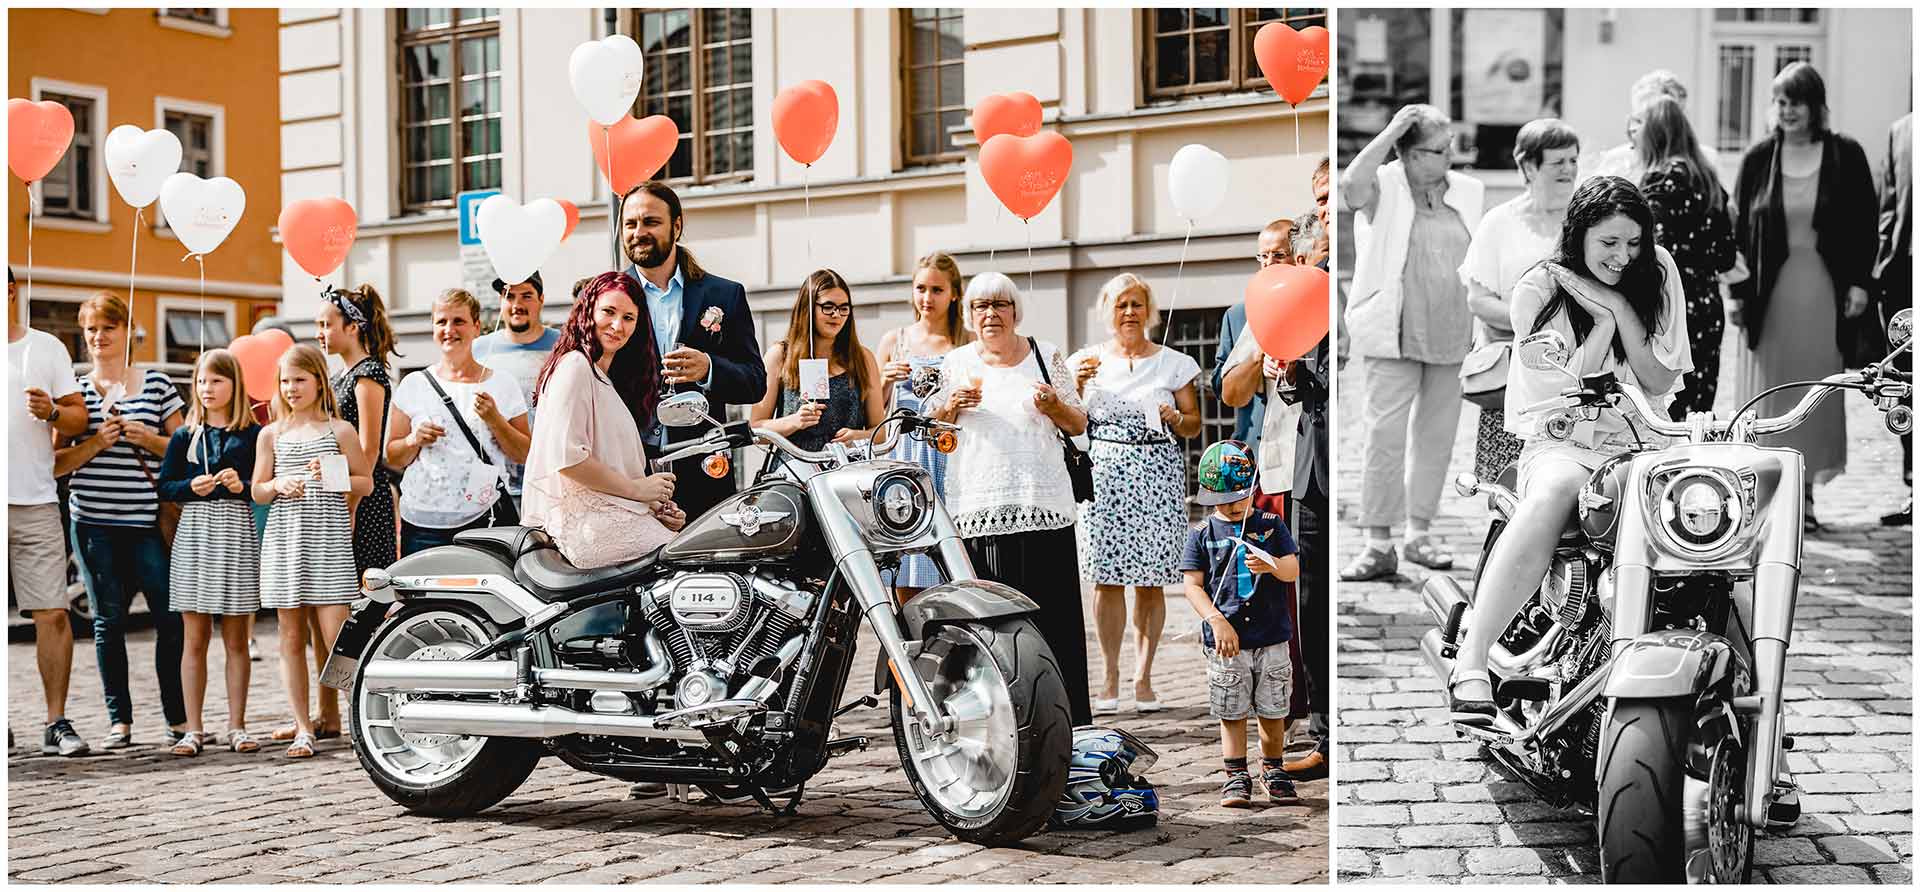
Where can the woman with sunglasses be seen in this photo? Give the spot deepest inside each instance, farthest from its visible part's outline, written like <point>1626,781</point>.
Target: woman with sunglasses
<point>821,327</point>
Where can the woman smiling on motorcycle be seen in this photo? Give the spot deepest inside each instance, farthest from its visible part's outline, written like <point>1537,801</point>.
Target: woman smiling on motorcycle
<point>1615,297</point>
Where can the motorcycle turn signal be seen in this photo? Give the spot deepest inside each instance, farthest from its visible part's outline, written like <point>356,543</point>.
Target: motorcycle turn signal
<point>717,465</point>
<point>946,442</point>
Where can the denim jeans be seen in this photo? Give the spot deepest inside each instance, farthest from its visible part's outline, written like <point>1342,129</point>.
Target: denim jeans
<point>418,538</point>
<point>121,561</point>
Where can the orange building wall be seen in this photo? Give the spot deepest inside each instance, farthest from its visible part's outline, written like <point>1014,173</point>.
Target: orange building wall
<point>127,52</point>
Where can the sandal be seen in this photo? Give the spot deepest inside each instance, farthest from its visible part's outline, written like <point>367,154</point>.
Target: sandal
<point>189,743</point>
<point>1478,713</point>
<point>240,741</point>
<point>1372,563</point>
<point>1422,551</point>
<point>301,748</point>
<point>284,733</point>
<point>326,733</point>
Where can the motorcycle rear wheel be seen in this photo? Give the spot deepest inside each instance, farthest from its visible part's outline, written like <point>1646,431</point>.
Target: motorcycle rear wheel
<point>442,775</point>
<point>998,778</point>
<point>1643,800</point>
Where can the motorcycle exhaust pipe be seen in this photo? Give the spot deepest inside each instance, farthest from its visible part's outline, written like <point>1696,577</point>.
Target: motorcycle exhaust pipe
<point>1431,646</point>
<point>492,676</point>
<point>513,720</point>
<point>1446,602</point>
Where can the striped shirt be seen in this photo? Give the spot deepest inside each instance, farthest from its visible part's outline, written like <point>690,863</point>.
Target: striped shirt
<point>111,490</point>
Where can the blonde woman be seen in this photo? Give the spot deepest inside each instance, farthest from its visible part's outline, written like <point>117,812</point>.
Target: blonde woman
<point>1140,402</point>
<point>910,360</point>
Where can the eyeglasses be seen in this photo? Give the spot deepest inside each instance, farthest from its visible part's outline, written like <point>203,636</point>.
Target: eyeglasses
<point>996,306</point>
<point>1269,258</point>
<point>834,309</point>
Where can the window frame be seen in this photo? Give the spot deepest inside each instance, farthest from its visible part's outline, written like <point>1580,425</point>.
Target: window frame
<point>1239,39</point>
<point>96,130</point>
<point>908,159</point>
<point>452,33</point>
<point>165,306</point>
<point>216,137</point>
<point>698,131</point>
<point>219,27</point>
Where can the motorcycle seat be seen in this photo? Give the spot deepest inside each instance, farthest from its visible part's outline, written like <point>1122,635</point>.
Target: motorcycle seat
<point>507,542</point>
<point>552,578</point>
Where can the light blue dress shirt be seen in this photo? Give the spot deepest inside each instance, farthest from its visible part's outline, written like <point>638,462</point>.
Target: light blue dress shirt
<point>664,308</point>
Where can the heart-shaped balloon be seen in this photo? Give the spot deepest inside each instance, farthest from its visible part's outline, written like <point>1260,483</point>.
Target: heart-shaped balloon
<point>1294,62</point>
<point>139,162</point>
<point>1287,309</point>
<point>641,146</point>
<point>805,117</point>
<point>200,212</point>
<point>38,133</point>
<point>1025,172</point>
<point>1017,113</point>
<point>318,233</point>
<point>573,216</point>
<point>257,354</point>
<point>518,239</point>
<point>1197,180</point>
<point>606,77</point>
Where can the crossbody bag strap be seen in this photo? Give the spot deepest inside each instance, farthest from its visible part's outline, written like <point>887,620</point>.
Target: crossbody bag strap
<point>457,420</point>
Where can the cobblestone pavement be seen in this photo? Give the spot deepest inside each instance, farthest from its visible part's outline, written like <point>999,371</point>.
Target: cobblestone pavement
<point>143,815</point>
<point>1415,802</point>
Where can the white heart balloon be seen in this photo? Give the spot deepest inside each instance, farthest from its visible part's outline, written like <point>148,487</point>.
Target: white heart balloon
<point>518,239</point>
<point>606,77</point>
<point>1197,180</point>
<point>202,213</point>
<point>139,162</point>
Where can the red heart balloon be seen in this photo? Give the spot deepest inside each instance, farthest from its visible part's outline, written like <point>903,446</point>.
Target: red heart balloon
<point>1025,172</point>
<point>1287,309</point>
<point>38,133</point>
<point>641,146</point>
<point>573,216</point>
<point>805,116</point>
<point>318,233</point>
<point>1017,113</point>
<point>1294,62</point>
<point>257,354</point>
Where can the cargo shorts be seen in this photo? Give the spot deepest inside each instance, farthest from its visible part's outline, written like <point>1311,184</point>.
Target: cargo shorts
<point>1256,682</point>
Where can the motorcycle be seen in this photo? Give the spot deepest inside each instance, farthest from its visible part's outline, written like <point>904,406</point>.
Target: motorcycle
<point>1642,680</point>
<point>718,661</point>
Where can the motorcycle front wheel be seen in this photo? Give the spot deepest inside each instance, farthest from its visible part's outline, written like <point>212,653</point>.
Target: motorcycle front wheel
<point>1659,824</point>
<point>442,775</point>
<point>996,778</point>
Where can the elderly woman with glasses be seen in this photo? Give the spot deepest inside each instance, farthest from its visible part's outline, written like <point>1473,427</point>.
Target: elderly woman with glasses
<point>1007,484</point>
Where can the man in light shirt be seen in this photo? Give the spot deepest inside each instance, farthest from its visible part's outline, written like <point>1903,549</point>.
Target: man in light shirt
<point>519,346</point>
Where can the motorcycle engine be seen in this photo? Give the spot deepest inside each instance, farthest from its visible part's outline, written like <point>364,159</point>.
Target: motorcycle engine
<point>721,627</point>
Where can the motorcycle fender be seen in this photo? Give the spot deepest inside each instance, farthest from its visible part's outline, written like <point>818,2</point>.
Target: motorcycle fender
<point>344,663</point>
<point>458,561</point>
<point>1671,663</point>
<point>968,599</point>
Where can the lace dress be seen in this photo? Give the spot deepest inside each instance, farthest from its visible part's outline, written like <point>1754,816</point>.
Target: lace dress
<point>1008,474</point>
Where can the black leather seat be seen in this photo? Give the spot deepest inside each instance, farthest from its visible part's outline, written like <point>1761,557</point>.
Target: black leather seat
<point>507,542</point>
<point>551,577</point>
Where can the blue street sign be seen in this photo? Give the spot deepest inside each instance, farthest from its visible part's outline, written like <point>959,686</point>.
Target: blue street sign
<point>469,210</point>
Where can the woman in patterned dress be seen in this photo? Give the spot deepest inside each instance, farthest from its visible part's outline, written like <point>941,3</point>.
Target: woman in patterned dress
<point>1691,222</point>
<point>821,327</point>
<point>216,553</point>
<point>910,360</point>
<point>306,563</point>
<point>1139,397</point>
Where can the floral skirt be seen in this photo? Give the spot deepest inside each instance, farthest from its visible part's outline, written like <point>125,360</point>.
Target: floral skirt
<point>1135,528</point>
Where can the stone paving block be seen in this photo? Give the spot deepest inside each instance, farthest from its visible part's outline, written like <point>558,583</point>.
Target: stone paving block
<point>1819,873</point>
<point>1858,849</point>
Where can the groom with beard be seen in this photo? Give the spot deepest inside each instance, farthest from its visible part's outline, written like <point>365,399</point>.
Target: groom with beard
<point>702,328</point>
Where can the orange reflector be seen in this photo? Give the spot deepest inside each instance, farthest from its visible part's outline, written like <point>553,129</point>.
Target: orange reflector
<point>946,442</point>
<point>717,465</point>
<point>906,697</point>
<point>454,581</point>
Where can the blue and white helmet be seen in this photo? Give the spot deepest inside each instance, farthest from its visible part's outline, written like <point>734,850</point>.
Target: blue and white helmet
<point>1103,789</point>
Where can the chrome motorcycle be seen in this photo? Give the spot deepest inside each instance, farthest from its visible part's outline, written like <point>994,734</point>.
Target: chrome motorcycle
<point>720,660</point>
<point>1642,680</point>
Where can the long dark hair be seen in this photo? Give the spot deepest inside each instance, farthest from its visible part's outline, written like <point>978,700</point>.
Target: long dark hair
<point>798,344</point>
<point>1666,135</point>
<point>1642,283</point>
<point>638,382</point>
<point>376,336</point>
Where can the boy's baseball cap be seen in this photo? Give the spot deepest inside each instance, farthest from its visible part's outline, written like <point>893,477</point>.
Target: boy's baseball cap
<point>1227,473</point>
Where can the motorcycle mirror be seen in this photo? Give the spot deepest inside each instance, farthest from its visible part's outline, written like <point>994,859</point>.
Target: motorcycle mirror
<point>1544,351</point>
<point>683,409</point>
<point>1900,329</point>
<point>1900,421</point>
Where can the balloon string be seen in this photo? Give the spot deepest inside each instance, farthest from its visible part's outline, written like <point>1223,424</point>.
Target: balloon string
<point>806,197</point>
<point>133,267</point>
<point>1029,224</point>
<point>33,210</point>
<point>993,246</point>
<point>1180,272</point>
<point>1296,130</point>
<point>202,261</point>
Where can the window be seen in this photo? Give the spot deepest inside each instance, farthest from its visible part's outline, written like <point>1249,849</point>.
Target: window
<point>61,319</point>
<point>1769,16</point>
<point>68,189</point>
<point>203,16</point>
<point>187,330</point>
<point>699,72</point>
<point>935,84</point>
<point>1210,50</point>
<point>1751,46</point>
<point>196,141</point>
<point>450,104</point>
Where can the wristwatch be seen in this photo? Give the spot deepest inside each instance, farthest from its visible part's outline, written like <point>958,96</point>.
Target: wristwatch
<point>53,417</point>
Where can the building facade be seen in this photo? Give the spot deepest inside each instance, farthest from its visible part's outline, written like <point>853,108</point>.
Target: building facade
<point>208,75</point>
<point>400,111</point>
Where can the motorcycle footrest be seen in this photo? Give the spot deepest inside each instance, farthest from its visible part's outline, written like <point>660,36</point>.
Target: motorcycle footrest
<point>1488,736</point>
<point>1525,688</point>
<point>844,745</point>
<point>867,702</point>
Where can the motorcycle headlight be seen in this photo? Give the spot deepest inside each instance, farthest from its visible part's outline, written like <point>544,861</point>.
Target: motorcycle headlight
<point>900,506</point>
<point>1700,510</point>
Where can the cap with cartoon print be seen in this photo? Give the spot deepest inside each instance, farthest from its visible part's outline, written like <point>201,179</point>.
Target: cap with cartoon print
<point>1227,473</point>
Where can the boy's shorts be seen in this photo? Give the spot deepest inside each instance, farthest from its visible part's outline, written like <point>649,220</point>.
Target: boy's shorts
<point>1255,682</point>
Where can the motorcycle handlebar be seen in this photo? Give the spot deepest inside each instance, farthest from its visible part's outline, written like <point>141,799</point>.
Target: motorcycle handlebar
<point>717,439</point>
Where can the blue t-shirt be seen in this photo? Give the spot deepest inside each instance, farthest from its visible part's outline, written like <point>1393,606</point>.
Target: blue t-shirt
<point>1255,605</point>
<point>497,351</point>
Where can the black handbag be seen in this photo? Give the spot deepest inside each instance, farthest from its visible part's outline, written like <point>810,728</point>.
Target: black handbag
<point>503,513</point>
<point>1079,464</point>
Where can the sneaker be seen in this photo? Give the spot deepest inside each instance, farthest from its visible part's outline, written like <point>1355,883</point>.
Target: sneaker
<point>117,740</point>
<point>1279,786</point>
<point>62,740</point>
<point>1237,792</point>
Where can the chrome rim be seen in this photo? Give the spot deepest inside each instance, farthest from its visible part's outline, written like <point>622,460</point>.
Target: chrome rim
<point>1717,839</point>
<point>418,760</point>
<point>970,771</point>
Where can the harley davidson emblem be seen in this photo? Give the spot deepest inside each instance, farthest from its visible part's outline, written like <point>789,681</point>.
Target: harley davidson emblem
<point>750,519</point>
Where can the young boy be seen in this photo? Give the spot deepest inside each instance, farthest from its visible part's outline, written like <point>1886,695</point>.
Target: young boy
<point>1240,598</point>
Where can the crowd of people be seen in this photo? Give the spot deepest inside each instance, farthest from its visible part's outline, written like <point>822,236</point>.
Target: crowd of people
<point>1640,257</point>
<point>352,472</point>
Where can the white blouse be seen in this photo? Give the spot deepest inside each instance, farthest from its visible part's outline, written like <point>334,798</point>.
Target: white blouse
<point>1144,387</point>
<point>1008,474</point>
<point>1504,248</point>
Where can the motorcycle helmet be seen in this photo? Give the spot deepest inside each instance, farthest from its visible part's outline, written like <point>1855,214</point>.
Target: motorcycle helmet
<point>1103,791</point>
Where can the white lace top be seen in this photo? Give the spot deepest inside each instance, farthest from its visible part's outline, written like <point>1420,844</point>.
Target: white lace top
<point>1008,475</point>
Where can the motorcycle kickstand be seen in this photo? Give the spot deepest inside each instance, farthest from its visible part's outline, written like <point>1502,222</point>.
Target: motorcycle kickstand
<point>792,807</point>
<point>867,702</point>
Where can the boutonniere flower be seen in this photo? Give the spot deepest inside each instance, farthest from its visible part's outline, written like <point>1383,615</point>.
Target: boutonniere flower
<point>710,320</point>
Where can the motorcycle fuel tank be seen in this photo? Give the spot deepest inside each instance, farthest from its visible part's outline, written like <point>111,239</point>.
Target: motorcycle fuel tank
<point>765,522</point>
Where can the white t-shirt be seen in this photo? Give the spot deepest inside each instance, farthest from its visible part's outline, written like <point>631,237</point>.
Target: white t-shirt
<point>447,486</point>
<point>37,360</point>
<point>1149,384</point>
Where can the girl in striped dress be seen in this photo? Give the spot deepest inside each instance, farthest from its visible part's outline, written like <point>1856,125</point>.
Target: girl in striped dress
<point>306,560</point>
<point>216,554</point>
